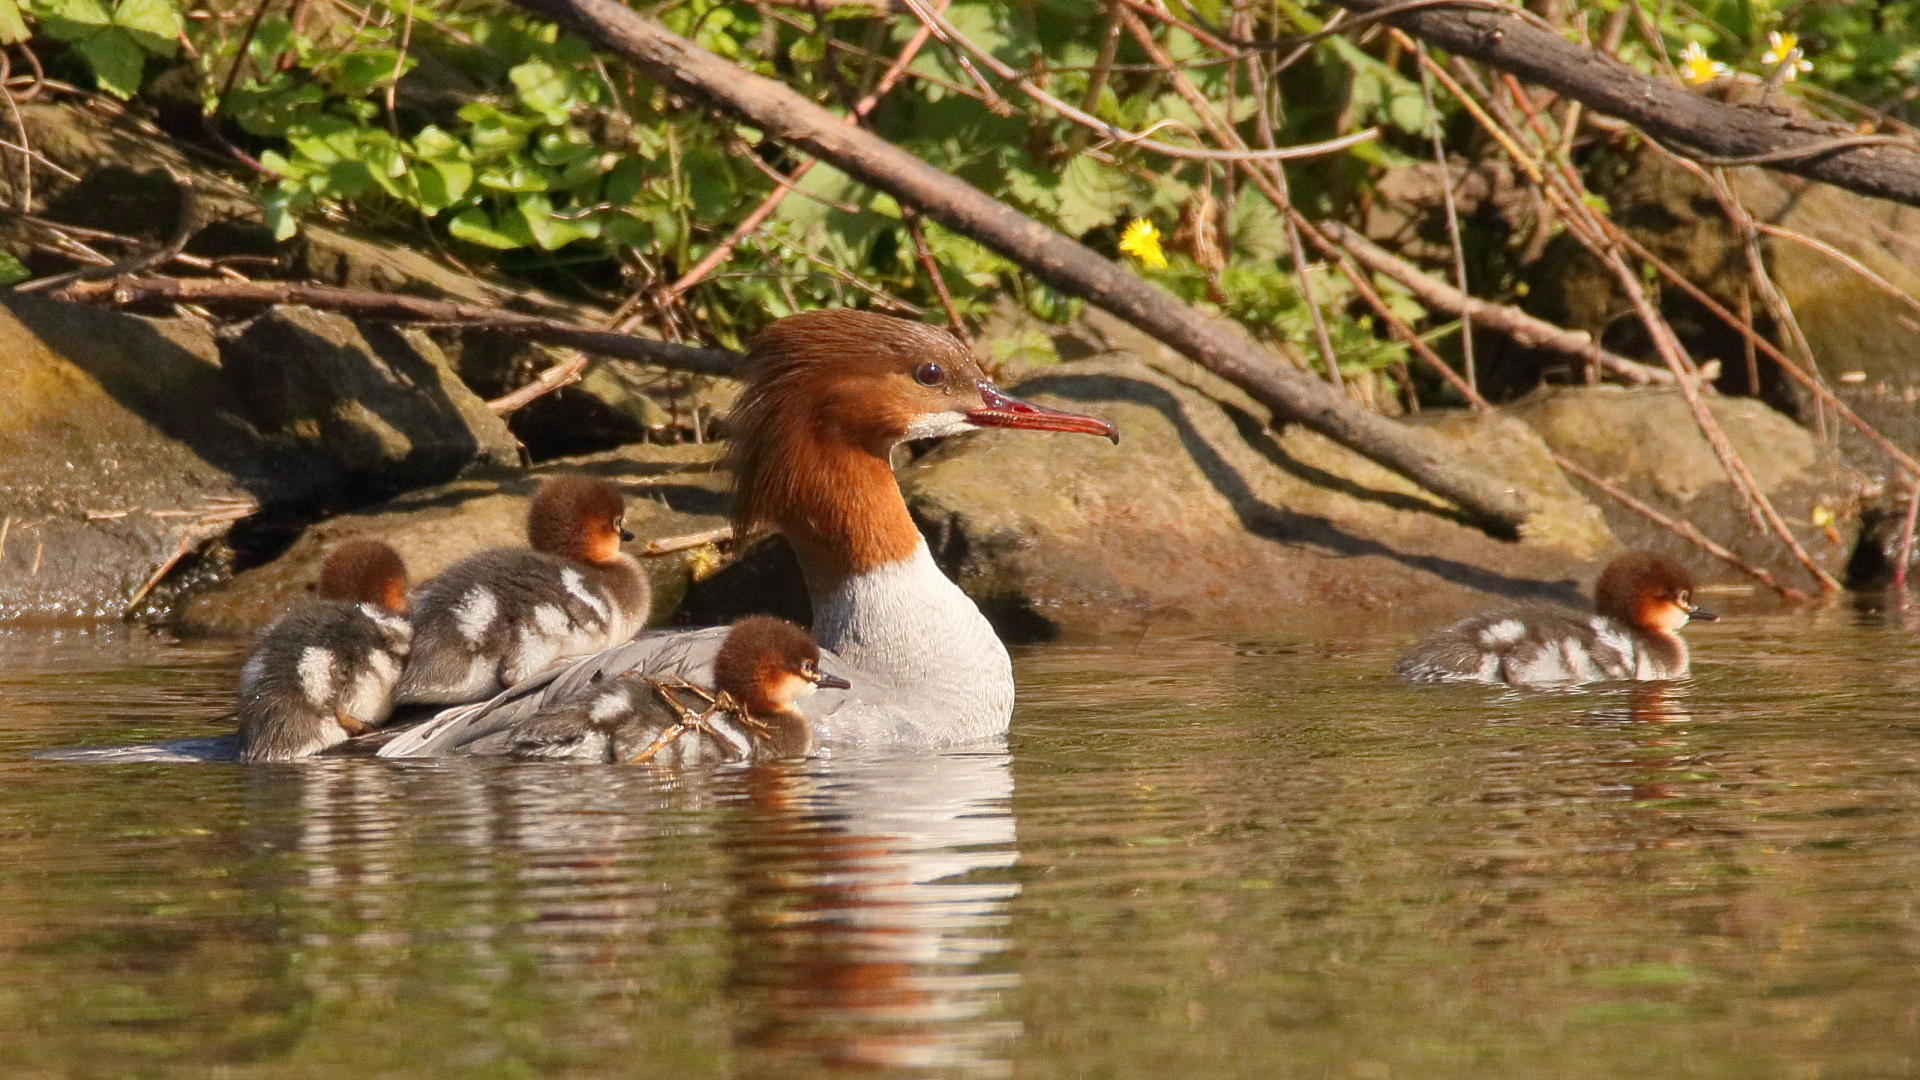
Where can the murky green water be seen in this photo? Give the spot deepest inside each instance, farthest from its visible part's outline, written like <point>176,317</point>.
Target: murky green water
<point>1201,859</point>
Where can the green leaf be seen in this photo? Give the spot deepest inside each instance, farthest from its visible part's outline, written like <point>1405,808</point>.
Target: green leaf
<point>550,232</point>
<point>154,25</point>
<point>448,181</point>
<point>1091,195</point>
<point>544,90</point>
<point>71,20</point>
<point>117,61</point>
<point>13,29</point>
<point>477,227</point>
<point>12,272</point>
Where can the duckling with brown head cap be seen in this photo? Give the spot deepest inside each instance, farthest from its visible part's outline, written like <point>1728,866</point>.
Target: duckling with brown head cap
<point>326,671</point>
<point>1640,603</point>
<point>764,667</point>
<point>493,619</point>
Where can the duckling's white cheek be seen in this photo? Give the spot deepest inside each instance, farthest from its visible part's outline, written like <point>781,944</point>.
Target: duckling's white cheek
<point>934,425</point>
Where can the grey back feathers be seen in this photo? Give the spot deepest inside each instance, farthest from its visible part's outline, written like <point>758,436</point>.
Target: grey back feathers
<point>1543,646</point>
<point>499,617</point>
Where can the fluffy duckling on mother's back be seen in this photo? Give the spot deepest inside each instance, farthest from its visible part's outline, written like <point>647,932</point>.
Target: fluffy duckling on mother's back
<point>1640,603</point>
<point>495,618</point>
<point>325,671</point>
<point>763,668</point>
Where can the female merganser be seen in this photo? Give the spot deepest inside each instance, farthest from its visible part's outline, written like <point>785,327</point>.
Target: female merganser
<point>325,672</point>
<point>492,619</point>
<point>1641,601</point>
<point>763,667</point>
<point>829,394</point>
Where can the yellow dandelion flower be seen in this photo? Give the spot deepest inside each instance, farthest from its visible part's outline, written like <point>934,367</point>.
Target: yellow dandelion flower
<point>1696,68</point>
<point>1142,241</point>
<point>1784,50</point>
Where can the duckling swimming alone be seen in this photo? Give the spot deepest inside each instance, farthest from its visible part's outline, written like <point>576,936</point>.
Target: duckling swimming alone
<point>763,667</point>
<point>495,618</point>
<point>326,671</point>
<point>1641,601</point>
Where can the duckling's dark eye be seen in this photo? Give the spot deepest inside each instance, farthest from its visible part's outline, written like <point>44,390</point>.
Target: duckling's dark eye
<point>929,375</point>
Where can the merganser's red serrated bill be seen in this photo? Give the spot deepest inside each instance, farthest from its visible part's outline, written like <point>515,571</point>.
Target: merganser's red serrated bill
<point>1005,411</point>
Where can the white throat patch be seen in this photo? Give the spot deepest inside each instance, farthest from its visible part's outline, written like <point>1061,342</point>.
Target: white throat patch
<point>934,425</point>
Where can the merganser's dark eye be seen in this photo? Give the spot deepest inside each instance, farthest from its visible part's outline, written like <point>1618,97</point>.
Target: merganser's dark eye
<point>929,375</point>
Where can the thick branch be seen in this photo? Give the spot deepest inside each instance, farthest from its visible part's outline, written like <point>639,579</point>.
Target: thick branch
<point>1697,126</point>
<point>392,307</point>
<point>1049,256</point>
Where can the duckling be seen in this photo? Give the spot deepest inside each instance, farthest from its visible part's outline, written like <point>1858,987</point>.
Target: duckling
<point>1641,601</point>
<point>762,669</point>
<point>495,618</point>
<point>325,672</point>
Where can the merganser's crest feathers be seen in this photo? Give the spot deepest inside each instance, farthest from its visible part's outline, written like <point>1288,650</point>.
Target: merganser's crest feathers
<point>829,394</point>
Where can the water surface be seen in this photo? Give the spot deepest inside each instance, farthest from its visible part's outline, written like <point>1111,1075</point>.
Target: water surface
<point>1200,858</point>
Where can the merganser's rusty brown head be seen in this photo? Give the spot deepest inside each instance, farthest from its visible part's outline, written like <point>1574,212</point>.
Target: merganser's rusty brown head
<point>767,664</point>
<point>1644,590</point>
<point>829,394</point>
<point>365,572</point>
<point>578,517</point>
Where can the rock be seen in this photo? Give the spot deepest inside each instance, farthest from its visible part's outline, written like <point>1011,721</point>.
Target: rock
<point>616,402</point>
<point>121,443</point>
<point>671,491</point>
<point>372,410</point>
<point>131,440</point>
<point>1865,342</point>
<point>1201,518</point>
<point>1646,439</point>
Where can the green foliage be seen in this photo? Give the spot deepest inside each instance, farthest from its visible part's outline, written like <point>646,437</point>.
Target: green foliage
<point>114,41</point>
<point>472,127</point>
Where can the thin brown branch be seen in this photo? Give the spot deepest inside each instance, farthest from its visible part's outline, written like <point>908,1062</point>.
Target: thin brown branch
<point>1523,329</point>
<point>562,374</point>
<point>1683,529</point>
<point>758,216</point>
<point>392,307</point>
<point>1906,544</point>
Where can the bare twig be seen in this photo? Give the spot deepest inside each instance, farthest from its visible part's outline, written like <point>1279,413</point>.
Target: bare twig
<point>1683,529</point>
<point>673,545</point>
<point>562,374</point>
<point>189,224</point>
<point>1851,263</point>
<point>932,267</point>
<point>392,307</point>
<point>1906,543</point>
<point>1662,108</point>
<point>1517,325</point>
<point>758,216</point>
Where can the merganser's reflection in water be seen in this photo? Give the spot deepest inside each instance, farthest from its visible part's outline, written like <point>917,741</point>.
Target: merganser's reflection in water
<point>842,914</point>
